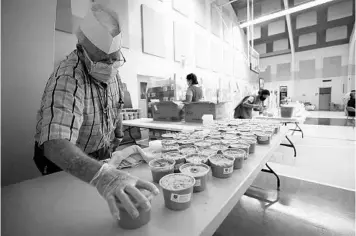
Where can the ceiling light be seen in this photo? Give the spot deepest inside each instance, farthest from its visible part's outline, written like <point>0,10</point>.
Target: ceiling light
<point>285,12</point>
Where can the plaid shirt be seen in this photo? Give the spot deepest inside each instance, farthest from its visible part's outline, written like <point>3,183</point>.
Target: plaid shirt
<point>73,107</point>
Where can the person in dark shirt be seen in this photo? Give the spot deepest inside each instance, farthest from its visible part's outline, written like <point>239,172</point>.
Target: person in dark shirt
<point>244,109</point>
<point>351,104</point>
<point>194,91</point>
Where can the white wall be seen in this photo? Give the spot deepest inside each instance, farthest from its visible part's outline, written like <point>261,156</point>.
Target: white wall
<point>27,61</point>
<point>31,48</point>
<point>308,89</point>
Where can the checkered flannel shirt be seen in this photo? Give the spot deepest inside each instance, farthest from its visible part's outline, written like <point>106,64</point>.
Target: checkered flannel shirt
<point>71,107</point>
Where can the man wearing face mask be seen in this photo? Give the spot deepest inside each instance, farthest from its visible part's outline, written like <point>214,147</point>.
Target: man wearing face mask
<point>80,112</point>
<point>244,109</point>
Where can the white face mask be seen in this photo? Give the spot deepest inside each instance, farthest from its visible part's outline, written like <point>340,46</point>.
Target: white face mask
<point>101,71</point>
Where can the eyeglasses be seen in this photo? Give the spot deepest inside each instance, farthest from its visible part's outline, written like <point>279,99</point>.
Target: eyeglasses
<point>116,64</point>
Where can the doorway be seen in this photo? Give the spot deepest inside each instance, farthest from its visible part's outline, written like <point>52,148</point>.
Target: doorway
<point>324,99</point>
<point>142,84</point>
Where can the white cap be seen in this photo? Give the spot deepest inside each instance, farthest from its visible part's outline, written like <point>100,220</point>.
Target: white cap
<point>102,29</point>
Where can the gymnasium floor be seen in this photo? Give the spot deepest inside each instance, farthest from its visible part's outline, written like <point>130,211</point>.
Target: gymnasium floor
<point>317,195</point>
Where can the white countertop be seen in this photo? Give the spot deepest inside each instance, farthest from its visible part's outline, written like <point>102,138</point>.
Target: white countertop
<point>149,123</point>
<point>60,204</point>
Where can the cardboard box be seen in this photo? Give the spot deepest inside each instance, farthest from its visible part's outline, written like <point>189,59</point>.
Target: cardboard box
<point>195,110</point>
<point>167,111</point>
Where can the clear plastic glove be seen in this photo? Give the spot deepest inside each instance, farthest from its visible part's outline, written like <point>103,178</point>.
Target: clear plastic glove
<point>118,156</point>
<point>117,187</point>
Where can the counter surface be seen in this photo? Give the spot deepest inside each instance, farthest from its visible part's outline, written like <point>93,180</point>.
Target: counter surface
<point>149,123</point>
<point>60,204</point>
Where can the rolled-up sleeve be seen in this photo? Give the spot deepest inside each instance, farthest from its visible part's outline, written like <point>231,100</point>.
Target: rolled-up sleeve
<point>62,110</point>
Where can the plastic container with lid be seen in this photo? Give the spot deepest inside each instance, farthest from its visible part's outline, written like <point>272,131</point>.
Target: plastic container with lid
<point>252,142</point>
<point>185,142</point>
<point>177,191</point>
<point>170,148</point>
<point>263,138</point>
<point>208,152</point>
<point>161,167</point>
<point>168,142</point>
<point>221,166</point>
<point>199,172</point>
<point>242,145</point>
<point>219,147</point>
<point>177,157</point>
<point>197,158</point>
<point>203,144</point>
<point>189,149</point>
<point>213,141</point>
<point>238,155</point>
<point>168,136</point>
<point>287,111</point>
<point>127,222</point>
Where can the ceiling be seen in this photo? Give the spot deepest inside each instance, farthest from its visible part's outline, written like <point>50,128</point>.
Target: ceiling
<point>326,25</point>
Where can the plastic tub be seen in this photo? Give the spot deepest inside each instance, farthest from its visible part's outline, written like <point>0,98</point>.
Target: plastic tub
<point>221,166</point>
<point>197,158</point>
<point>177,191</point>
<point>127,222</point>
<point>199,172</point>
<point>161,167</point>
<point>238,155</point>
<point>229,142</point>
<point>252,142</point>
<point>213,141</point>
<point>168,142</point>
<point>243,146</point>
<point>185,142</point>
<point>203,144</point>
<point>177,157</point>
<point>287,112</point>
<point>170,148</point>
<point>187,150</point>
<point>263,138</point>
<point>219,147</point>
<point>208,152</point>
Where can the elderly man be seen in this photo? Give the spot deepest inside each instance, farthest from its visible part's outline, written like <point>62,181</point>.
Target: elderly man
<point>80,111</point>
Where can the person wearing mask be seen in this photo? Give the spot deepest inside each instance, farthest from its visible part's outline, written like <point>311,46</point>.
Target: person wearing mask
<point>194,91</point>
<point>80,113</point>
<point>244,109</point>
<point>346,99</point>
<point>351,104</point>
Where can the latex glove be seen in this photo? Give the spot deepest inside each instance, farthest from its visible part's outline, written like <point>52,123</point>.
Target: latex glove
<point>118,156</point>
<point>119,187</point>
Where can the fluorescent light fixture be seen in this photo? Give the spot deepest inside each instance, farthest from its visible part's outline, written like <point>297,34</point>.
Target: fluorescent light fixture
<point>285,12</point>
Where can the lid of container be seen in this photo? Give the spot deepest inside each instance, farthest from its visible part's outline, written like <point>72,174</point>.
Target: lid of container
<point>195,170</point>
<point>177,181</point>
<point>188,150</point>
<point>168,142</point>
<point>197,158</point>
<point>202,143</point>
<point>170,147</point>
<point>185,142</point>
<point>219,146</point>
<point>220,159</point>
<point>161,163</point>
<point>208,152</point>
<point>234,152</point>
<point>175,155</point>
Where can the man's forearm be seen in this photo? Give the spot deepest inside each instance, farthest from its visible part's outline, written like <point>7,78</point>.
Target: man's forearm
<point>248,105</point>
<point>71,159</point>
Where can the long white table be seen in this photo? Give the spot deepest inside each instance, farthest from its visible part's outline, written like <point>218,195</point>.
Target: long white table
<point>60,204</point>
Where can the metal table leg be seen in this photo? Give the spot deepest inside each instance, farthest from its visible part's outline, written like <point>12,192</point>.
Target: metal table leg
<point>290,145</point>
<point>274,173</point>
<point>299,129</point>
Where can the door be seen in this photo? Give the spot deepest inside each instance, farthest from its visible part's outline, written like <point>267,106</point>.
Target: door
<point>142,84</point>
<point>324,99</point>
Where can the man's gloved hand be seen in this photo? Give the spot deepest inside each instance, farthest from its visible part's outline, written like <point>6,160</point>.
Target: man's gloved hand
<point>118,186</point>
